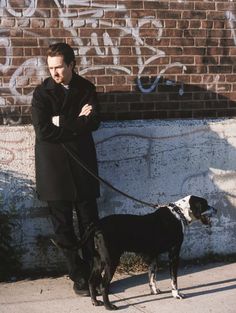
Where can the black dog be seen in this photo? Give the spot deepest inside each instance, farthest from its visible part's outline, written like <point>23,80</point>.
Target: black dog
<point>149,235</point>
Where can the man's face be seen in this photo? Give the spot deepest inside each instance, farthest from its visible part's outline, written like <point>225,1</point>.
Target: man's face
<point>59,70</point>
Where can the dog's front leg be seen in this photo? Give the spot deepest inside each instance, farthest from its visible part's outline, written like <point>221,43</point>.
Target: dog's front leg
<point>174,263</point>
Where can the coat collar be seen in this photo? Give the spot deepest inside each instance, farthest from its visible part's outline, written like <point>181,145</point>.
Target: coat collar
<point>77,82</point>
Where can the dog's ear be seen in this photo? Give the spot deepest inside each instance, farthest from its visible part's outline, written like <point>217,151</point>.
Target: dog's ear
<point>198,206</point>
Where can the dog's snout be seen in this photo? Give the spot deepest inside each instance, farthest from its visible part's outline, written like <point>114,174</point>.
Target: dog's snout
<point>210,211</point>
<point>207,215</point>
<point>214,210</point>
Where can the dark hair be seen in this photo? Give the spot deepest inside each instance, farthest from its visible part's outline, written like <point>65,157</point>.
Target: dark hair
<point>64,50</point>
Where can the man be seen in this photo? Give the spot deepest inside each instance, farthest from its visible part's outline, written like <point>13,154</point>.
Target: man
<point>65,111</point>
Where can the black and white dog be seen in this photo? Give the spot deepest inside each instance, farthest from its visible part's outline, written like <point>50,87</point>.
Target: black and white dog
<point>151,235</point>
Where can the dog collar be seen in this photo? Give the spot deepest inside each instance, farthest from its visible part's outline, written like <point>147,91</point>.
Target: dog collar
<point>176,211</point>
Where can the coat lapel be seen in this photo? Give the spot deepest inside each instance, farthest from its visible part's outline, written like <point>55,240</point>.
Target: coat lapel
<point>74,101</point>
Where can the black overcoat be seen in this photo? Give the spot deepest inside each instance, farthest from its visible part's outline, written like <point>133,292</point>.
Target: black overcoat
<point>58,176</point>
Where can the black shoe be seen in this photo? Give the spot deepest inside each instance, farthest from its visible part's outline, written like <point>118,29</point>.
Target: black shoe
<point>81,288</point>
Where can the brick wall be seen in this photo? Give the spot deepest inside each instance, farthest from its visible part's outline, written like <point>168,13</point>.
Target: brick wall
<point>149,59</point>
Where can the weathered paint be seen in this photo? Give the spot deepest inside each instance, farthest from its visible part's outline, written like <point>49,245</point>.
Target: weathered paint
<point>157,161</point>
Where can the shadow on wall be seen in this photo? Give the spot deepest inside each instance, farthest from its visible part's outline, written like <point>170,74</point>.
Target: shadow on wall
<point>171,99</point>
<point>15,196</point>
<point>24,229</point>
<point>16,191</point>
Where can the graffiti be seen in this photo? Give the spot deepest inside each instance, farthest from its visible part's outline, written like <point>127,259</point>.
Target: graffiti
<point>25,12</point>
<point>133,31</point>
<point>25,70</point>
<point>212,81</point>
<point>100,42</point>
<point>232,23</point>
<point>102,46</point>
<point>113,45</point>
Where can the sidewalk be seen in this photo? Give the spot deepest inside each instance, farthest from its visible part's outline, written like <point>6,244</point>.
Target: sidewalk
<point>208,288</point>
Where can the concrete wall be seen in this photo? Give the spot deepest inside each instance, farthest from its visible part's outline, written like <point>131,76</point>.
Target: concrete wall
<point>157,161</point>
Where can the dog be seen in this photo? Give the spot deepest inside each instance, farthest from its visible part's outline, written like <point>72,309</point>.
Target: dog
<point>148,235</point>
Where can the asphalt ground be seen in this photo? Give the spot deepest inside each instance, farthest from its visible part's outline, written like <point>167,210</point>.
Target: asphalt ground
<point>207,288</point>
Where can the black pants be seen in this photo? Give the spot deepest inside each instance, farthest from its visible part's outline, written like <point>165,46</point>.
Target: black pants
<point>61,213</point>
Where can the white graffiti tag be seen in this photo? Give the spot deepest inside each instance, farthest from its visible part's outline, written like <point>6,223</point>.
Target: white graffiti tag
<point>232,23</point>
<point>110,44</point>
<point>31,6</point>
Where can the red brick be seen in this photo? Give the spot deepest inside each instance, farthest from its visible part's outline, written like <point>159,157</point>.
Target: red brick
<point>17,51</point>
<point>22,42</point>
<point>182,42</point>
<point>183,59</point>
<point>195,24</point>
<point>138,14</point>
<point>173,33</point>
<point>156,5</point>
<point>219,24</point>
<point>51,23</point>
<point>183,24</point>
<point>220,69</point>
<point>225,6</point>
<point>45,4</point>
<point>37,32</point>
<point>231,78</point>
<point>37,23</point>
<point>16,32</point>
<point>196,79</point>
<point>8,22</point>
<point>193,51</point>
<point>200,5</point>
<point>172,24</point>
<point>117,14</point>
<point>104,80</point>
<point>185,5</point>
<point>193,33</point>
<point>194,15</point>
<point>60,32</point>
<point>133,4</point>
<point>169,14</point>
<point>46,13</point>
<point>119,80</point>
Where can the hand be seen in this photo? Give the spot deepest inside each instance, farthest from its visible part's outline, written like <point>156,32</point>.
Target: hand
<point>86,110</point>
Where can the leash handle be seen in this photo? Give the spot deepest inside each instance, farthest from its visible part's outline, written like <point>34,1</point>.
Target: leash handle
<point>76,158</point>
